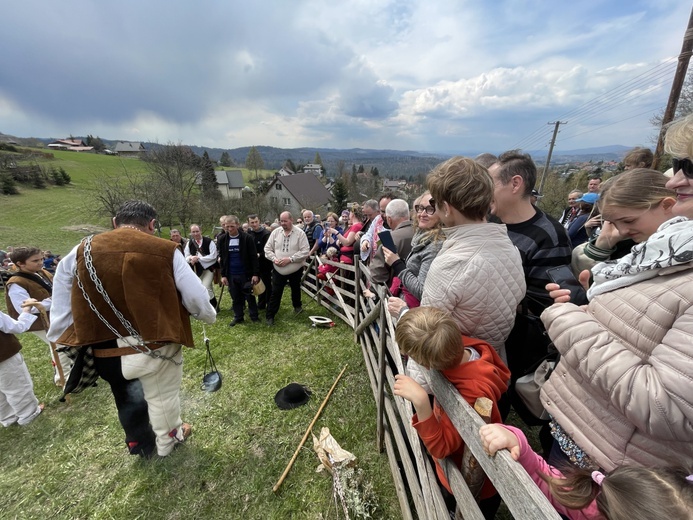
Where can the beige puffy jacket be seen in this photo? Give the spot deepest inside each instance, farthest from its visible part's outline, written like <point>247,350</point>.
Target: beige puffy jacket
<point>623,389</point>
<point>478,278</point>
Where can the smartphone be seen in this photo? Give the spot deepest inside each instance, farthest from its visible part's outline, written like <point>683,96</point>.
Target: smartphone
<point>327,225</point>
<point>386,240</point>
<point>564,277</point>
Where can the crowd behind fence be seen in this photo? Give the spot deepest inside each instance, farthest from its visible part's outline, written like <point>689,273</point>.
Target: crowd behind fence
<point>413,471</point>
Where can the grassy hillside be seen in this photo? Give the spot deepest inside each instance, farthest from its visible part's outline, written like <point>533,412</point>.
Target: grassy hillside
<point>57,217</point>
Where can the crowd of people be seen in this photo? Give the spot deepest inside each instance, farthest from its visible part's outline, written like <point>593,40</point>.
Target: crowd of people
<point>468,270</point>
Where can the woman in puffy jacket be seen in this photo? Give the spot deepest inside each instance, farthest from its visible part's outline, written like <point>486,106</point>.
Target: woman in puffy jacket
<point>622,391</point>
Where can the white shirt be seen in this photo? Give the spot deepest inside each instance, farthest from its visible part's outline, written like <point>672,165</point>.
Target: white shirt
<point>205,260</point>
<point>193,294</point>
<point>21,324</point>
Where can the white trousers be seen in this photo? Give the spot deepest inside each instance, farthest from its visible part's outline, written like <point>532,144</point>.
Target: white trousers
<point>161,381</point>
<point>18,404</point>
<point>65,361</point>
<point>207,279</point>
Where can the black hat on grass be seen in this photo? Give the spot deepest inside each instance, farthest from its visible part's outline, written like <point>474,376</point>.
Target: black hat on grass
<point>291,396</point>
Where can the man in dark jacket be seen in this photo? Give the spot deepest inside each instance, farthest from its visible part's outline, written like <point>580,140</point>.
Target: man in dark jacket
<point>240,269</point>
<point>260,235</point>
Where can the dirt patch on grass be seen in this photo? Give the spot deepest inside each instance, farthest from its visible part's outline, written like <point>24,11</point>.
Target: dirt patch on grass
<point>85,229</point>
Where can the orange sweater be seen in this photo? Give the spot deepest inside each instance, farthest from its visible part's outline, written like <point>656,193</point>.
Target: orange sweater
<point>484,377</point>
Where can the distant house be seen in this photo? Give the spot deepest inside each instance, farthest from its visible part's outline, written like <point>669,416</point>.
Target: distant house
<point>315,169</point>
<point>284,171</point>
<point>128,148</point>
<point>73,145</point>
<point>294,192</point>
<point>389,185</point>
<point>230,183</point>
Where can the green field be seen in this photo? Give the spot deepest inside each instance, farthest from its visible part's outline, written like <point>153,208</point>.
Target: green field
<point>57,217</point>
<point>72,462</point>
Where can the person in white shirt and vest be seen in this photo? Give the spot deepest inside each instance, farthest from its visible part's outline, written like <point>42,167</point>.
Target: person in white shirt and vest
<point>201,254</point>
<point>128,295</point>
<point>287,248</point>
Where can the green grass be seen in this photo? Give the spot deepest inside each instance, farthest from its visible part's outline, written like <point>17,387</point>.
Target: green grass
<point>72,462</point>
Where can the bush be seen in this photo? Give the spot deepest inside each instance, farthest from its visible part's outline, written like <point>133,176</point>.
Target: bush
<point>7,185</point>
<point>37,181</point>
<point>65,176</point>
<point>57,178</point>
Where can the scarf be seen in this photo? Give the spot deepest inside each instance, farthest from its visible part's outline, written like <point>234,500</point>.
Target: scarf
<point>670,246</point>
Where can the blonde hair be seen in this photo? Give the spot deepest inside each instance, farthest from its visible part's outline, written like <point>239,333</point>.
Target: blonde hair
<point>678,141</point>
<point>430,235</point>
<point>628,492</point>
<point>639,188</point>
<point>430,337</point>
<point>464,184</point>
<point>637,156</point>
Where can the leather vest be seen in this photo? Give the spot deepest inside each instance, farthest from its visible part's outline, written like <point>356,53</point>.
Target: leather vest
<point>136,270</point>
<point>35,290</point>
<point>9,346</point>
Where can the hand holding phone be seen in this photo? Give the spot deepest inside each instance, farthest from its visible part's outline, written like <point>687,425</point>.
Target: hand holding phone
<point>564,277</point>
<point>386,240</point>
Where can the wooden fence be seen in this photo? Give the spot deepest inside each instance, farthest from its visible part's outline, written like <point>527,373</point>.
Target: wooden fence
<point>413,472</point>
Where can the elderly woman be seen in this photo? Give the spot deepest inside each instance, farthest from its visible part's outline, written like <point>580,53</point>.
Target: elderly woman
<point>411,273</point>
<point>621,393</point>
<point>326,238</point>
<point>477,277</point>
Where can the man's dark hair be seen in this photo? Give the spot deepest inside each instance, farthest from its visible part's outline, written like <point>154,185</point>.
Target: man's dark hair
<point>252,216</point>
<point>387,195</point>
<point>486,159</point>
<point>515,163</point>
<point>136,212</point>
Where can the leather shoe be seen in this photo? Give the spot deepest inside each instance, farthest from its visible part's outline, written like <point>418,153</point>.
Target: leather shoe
<point>235,322</point>
<point>270,322</point>
<point>298,310</point>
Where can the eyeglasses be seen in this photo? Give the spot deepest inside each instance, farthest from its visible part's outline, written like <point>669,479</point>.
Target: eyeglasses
<point>685,165</point>
<point>430,210</point>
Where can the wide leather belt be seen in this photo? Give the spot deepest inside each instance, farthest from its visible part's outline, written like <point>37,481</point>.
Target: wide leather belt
<point>124,351</point>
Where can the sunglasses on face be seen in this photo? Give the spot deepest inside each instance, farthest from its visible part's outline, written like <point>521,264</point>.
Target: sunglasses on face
<point>430,210</point>
<point>685,165</point>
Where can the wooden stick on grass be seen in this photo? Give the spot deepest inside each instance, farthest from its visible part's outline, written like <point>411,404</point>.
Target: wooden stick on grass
<point>305,436</point>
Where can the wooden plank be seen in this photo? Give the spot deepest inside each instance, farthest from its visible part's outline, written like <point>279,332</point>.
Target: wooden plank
<point>519,492</point>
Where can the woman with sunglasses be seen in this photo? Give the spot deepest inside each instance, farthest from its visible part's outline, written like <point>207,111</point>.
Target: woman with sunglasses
<point>411,273</point>
<point>621,393</point>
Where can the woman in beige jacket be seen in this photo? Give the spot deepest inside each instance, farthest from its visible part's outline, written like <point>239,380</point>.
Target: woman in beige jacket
<point>622,392</point>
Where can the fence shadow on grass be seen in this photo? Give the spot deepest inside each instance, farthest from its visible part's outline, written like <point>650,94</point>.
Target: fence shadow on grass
<point>342,293</point>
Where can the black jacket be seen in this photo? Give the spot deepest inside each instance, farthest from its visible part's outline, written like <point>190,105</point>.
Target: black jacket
<point>247,250</point>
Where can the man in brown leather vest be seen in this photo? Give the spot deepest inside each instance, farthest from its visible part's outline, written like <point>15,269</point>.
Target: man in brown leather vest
<point>133,308</point>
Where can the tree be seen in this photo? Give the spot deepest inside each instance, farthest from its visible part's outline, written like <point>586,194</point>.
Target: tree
<point>225,159</point>
<point>683,107</point>
<point>254,161</point>
<point>361,170</point>
<point>318,160</point>
<point>96,142</point>
<point>7,185</point>
<point>208,179</point>
<point>340,195</point>
<point>289,165</point>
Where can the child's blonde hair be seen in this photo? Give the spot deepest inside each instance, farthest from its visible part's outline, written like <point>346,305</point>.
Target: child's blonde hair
<point>639,188</point>
<point>331,252</point>
<point>627,493</point>
<point>430,337</point>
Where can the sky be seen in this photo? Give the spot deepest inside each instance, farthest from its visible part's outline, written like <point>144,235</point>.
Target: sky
<point>448,76</point>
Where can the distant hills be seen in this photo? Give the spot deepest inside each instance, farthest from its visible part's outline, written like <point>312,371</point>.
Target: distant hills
<point>390,163</point>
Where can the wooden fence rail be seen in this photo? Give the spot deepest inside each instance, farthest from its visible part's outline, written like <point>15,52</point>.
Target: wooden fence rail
<point>413,472</point>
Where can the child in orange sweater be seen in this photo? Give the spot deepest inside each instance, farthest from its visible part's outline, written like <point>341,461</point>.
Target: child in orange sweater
<point>431,338</point>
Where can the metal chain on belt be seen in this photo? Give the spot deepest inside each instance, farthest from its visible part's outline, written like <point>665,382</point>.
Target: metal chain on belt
<point>141,346</point>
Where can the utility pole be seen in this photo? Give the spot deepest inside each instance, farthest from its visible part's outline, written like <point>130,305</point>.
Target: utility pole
<point>676,86</point>
<point>548,157</point>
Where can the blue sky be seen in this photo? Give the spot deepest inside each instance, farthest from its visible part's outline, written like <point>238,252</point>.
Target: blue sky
<point>429,75</point>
